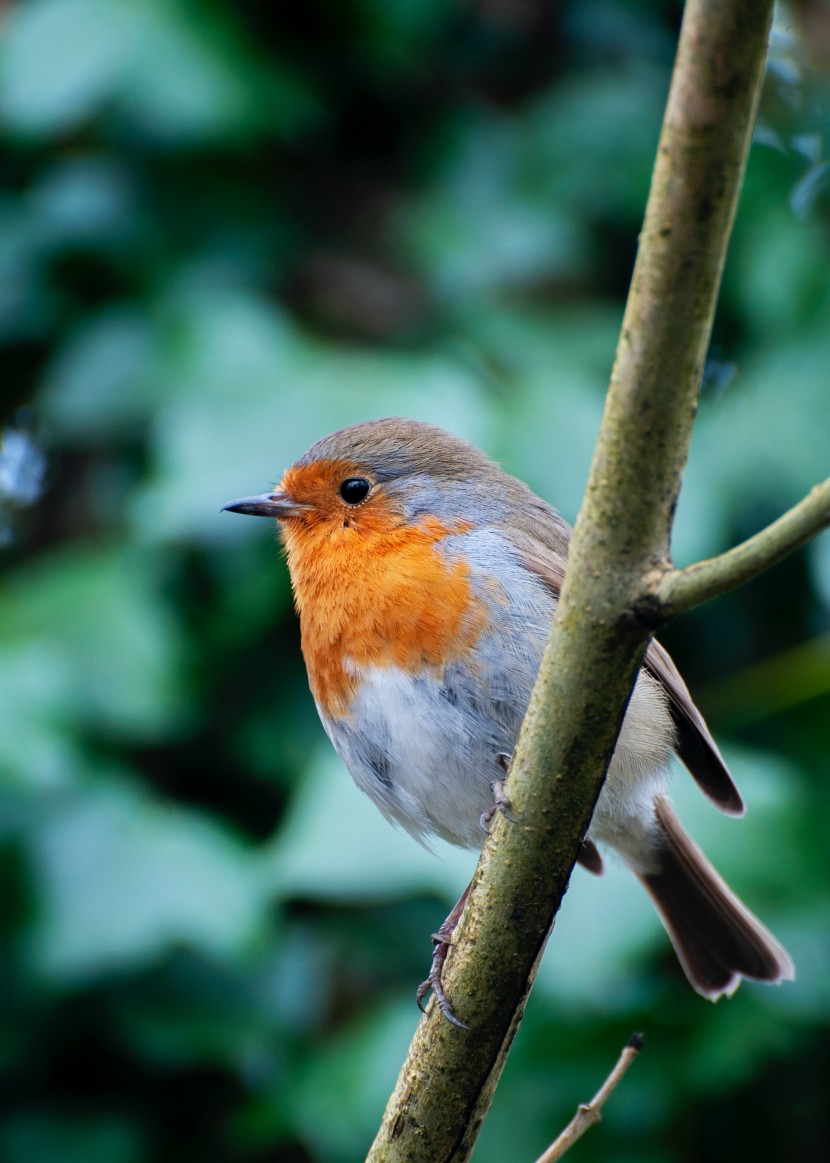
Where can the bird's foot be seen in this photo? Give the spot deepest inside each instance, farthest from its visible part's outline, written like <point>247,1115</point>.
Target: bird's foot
<point>433,982</point>
<point>442,940</point>
<point>500,801</point>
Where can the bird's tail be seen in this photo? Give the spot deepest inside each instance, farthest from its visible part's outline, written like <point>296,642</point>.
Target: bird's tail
<point>715,936</point>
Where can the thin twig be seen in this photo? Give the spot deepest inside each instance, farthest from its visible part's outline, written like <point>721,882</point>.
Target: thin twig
<point>680,590</point>
<point>591,1112</point>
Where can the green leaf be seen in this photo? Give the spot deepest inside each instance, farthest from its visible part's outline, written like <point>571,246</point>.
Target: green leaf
<point>122,880</point>
<point>71,1138</point>
<point>96,618</point>
<point>177,72</point>
<point>359,1066</point>
<point>554,367</point>
<point>754,442</point>
<point>477,230</point>
<point>601,944</point>
<point>99,385</point>
<point>37,700</point>
<point>61,59</point>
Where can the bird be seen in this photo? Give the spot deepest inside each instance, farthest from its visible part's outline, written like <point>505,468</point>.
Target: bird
<point>426,579</point>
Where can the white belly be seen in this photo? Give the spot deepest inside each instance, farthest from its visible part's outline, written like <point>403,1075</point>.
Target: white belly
<point>427,752</point>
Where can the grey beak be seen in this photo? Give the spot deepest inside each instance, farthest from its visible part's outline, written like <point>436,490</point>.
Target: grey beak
<point>278,505</point>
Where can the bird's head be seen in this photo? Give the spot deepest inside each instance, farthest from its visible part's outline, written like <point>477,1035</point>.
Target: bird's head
<point>378,476</point>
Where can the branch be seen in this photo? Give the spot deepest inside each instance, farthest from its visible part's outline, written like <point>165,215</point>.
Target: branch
<point>680,590</point>
<point>596,644</point>
<point>590,1113</point>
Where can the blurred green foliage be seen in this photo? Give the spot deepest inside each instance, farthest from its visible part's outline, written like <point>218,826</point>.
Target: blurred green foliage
<point>226,229</point>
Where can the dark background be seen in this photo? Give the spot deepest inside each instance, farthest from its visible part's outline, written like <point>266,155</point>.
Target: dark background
<point>225,230</point>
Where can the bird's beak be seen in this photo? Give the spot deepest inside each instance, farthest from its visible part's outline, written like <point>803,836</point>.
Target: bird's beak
<point>275,504</point>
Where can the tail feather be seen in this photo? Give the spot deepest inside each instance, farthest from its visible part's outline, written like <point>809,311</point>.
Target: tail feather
<point>716,938</point>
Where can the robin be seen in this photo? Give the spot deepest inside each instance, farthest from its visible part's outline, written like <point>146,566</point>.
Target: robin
<point>426,580</point>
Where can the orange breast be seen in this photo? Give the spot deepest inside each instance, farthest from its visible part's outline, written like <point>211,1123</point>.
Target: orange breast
<point>378,596</point>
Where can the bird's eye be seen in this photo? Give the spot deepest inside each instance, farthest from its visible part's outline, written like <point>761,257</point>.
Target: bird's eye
<point>354,490</point>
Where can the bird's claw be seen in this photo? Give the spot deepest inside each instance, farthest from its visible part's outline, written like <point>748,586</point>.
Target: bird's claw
<point>433,982</point>
<point>500,803</point>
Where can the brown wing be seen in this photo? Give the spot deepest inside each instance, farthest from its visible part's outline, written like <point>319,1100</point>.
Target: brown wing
<point>695,746</point>
<point>547,565</point>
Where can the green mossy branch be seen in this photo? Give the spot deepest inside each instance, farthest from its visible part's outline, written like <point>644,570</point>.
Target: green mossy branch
<point>679,590</point>
<point>619,567</point>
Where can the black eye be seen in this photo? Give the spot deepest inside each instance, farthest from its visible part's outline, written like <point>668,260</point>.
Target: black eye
<point>354,490</point>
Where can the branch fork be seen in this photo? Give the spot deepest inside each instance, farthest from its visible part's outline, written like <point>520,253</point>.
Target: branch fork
<point>599,636</point>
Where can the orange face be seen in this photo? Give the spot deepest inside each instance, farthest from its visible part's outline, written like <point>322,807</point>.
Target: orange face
<point>371,589</point>
<point>319,485</point>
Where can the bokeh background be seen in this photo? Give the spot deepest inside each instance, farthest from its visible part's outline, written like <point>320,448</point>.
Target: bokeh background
<point>225,230</point>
